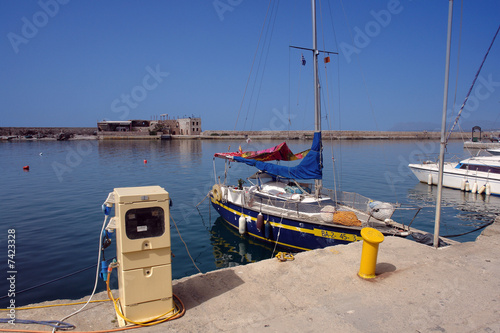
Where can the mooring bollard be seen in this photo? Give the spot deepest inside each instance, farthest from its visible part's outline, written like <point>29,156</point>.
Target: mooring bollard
<point>371,239</point>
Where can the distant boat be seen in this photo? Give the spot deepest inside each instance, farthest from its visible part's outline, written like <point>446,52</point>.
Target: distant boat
<point>480,174</point>
<point>288,206</point>
<point>494,151</point>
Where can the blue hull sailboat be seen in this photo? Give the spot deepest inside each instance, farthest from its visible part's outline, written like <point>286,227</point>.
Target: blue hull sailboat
<point>288,206</point>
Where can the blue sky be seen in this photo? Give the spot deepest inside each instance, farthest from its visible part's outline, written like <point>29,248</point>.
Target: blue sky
<point>73,63</point>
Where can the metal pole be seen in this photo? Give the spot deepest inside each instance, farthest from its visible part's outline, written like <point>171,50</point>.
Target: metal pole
<point>443,129</point>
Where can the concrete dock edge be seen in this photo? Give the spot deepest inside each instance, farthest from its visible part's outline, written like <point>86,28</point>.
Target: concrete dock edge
<point>417,289</point>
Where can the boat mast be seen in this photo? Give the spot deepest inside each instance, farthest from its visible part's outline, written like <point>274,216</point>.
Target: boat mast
<point>443,129</point>
<point>317,102</point>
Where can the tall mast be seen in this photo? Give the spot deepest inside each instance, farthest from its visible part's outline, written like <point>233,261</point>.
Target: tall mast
<point>443,129</point>
<point>317,101</point>
<point>317,104</point>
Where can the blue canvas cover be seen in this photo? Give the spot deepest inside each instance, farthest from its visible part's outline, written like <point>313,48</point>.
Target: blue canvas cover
<point>309,168</point>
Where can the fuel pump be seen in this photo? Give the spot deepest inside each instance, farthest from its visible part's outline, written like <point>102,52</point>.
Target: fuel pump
<point>143,251</point>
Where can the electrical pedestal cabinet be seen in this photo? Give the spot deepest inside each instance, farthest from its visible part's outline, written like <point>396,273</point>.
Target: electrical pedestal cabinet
<point>143,252</point>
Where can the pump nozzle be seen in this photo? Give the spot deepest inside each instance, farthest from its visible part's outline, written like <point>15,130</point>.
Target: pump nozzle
<point>106,209</point>
<point>106,206</point>
<point>104,270</point>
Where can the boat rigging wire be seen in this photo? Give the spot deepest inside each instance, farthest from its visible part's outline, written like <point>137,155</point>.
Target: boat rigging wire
<point>330,120</point>
<point>251,68</point>
<point>472,86</point>
<point>271,27</point>
<point>328,104</point>
<point>185,245</point>
<point>389,178</point>
<point>279,230</point>
<point>458,52</point>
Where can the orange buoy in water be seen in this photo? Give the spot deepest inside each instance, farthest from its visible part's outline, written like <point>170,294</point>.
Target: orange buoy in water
<point>145,161</point>
<point>26,168</point>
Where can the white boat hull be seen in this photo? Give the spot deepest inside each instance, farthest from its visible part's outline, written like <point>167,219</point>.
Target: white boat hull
<point>456,178</point>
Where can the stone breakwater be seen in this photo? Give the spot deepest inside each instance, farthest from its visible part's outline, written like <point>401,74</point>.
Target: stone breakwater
<point>46,132</point>
<point>53,132</point>
<point>338,135</point>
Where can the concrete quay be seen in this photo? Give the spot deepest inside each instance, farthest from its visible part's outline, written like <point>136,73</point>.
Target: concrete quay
<point>417,289</point>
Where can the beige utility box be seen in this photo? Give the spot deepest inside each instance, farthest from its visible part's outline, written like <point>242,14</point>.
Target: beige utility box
<point>143,252</point>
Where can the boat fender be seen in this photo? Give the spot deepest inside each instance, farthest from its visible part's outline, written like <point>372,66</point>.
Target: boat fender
<point>326,213</point>
<point>260,222</point>
<point>429,179</point>
<point>462,185</point>
<point>216,192</point>
<point>488,189</point>
<point>481,189</point>
<point>474,188</point>
<point>242,225</point>
<point>467,186</point>
<point>268,230</point>
<point>380,210</point>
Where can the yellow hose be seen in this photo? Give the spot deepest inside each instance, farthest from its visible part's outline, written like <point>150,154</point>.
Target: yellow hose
<point>181,310</point>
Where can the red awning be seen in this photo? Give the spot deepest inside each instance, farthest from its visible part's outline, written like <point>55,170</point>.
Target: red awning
<point>280,152</point>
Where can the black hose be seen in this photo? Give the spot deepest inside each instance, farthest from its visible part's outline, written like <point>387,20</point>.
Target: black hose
<point>468,232</point>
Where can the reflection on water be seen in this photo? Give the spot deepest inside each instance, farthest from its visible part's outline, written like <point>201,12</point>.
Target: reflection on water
<point>231,249</point>
<point>471,209</point>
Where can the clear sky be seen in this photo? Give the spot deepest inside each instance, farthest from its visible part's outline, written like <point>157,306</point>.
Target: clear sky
<point>74,62</point>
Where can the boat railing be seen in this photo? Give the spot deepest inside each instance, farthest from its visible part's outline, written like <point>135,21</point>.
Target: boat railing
<point>349,199</point>
<point>356,201</point>
<point>426,158</point>
<point>310,210</point>
<point>434,158</point>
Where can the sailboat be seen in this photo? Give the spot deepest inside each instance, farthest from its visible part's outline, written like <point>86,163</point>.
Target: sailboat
<point>288,206</point>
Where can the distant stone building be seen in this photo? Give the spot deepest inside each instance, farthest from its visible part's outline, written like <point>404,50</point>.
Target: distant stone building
<point>184,126</point>
<point>123,125</point>
<point>181,126</point>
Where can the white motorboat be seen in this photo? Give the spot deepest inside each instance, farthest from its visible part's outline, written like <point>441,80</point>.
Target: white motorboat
<point>494,151</point>
<point>480,174</point>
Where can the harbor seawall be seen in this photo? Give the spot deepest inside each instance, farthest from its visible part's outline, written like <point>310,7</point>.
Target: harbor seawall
<point>46,131</point>
<point>52,132</point>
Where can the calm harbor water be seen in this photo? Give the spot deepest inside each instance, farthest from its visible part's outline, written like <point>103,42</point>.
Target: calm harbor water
<point>55,208</point>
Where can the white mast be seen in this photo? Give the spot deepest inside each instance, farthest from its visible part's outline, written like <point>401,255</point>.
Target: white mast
<point>317,102</point>
<point>443,129</point>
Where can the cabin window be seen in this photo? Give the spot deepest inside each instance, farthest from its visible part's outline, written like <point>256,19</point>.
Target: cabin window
<point>483,168</point>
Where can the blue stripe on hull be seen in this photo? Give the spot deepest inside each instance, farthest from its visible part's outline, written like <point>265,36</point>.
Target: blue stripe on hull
<point>289,233</point>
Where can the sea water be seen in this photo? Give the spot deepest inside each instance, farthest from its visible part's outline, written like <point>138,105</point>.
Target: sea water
<point>54,209</point>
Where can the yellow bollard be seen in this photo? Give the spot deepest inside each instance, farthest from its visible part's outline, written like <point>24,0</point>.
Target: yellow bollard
<point>371,239</point>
